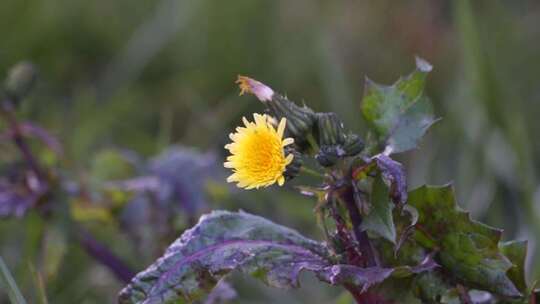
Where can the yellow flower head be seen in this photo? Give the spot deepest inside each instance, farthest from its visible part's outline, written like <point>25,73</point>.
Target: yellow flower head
<point>257,156</point>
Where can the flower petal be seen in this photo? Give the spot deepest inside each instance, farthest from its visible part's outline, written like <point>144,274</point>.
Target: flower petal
<point>281,127</point>
<point>287,141</point>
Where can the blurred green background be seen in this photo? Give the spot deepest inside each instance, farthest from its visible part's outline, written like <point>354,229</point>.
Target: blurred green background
<point>140,76</point>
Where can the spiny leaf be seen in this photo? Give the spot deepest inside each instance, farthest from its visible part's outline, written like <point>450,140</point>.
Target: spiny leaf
<point>468,249</point>
<point>411,127</point>
<point>399,113</point>
<point>516,252</point>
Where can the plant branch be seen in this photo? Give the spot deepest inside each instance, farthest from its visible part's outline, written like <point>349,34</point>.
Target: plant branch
<point>104,256</point>
<point>8,113</point>
<point>361,236</point>
<point>96,250</point>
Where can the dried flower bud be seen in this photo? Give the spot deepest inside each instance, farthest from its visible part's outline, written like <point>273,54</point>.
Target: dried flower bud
<point>20,80</point>
<point>259,89</point>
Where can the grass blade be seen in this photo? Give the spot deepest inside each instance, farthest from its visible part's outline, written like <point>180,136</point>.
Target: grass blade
<point>7,280</point>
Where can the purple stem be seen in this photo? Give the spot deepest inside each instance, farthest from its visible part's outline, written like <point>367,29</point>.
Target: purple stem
<point>103,255</point>
<point>9,115</point>
<point>98,251</point>
<point>361,236</point>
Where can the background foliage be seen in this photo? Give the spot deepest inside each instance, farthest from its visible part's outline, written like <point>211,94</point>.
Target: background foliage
<point>121,82</point>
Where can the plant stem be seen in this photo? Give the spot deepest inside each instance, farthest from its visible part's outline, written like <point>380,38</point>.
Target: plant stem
<point>95,249</point>
<point>361,236</point>
<point>7,112</point>
<point>103,255</point>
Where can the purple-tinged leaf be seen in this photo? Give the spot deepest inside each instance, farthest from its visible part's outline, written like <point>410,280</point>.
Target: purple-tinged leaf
<point>224,241</point>
<point>394,177</point>
<point>222,293</point>
<point>357,276</point>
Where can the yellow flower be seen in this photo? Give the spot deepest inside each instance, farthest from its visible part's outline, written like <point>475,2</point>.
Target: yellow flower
<point>257,156</point>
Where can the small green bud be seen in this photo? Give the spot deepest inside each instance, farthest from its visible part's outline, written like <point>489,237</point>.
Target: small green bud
<point>330,129</point>
<point>20,80</point>
<point>293,169</point>
<point>353,145</point>
<point>329,155</point>
<point>300,120</point>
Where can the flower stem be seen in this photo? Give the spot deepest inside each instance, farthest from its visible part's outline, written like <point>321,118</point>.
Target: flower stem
<point>104,256</point>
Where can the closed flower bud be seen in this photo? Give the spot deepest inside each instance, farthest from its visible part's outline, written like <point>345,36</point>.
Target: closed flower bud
<point>329,155</point>
<point>353,145</point>
<point>300,120</point>
<point>20,80</point>
<point>293,169</point>
<point>330,129</point>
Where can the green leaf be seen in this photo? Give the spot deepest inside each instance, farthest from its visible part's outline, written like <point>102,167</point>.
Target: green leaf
<point>411,127</point>
<point>468,249</point>
<point>516,252</point>
<point>430,286</point>
<point>399,113</point>
<point>9,284</point>
<point>379,220</point>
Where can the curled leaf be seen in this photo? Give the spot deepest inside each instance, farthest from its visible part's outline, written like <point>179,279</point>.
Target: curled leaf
<point>394,177</point>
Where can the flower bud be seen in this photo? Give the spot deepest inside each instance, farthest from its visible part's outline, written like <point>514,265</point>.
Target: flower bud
<point>353,144</point>
<point>329,155</point>
<point>293,169</point>
<point>330,129</point>
<point>334,143</point>
<point>20,80</point>
<point>300,120</point>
